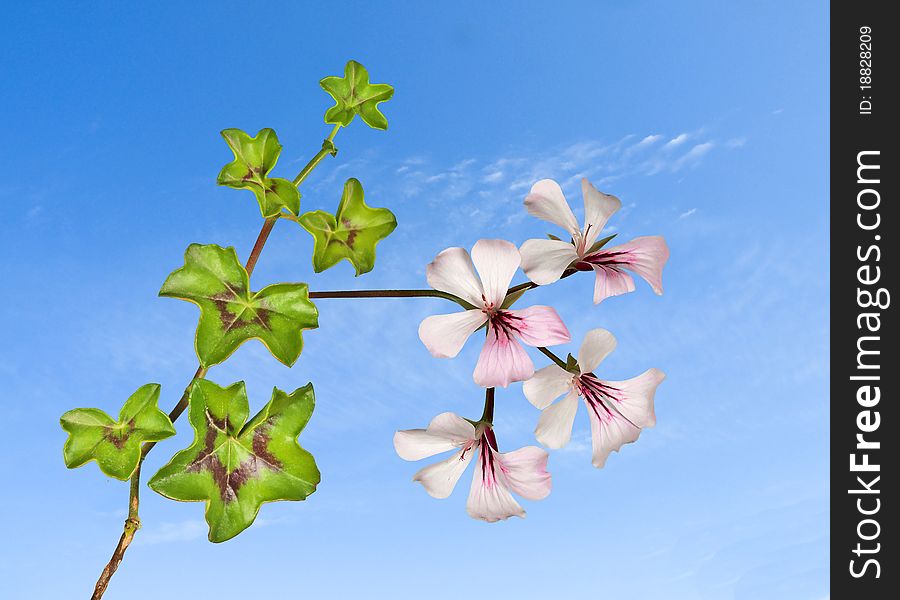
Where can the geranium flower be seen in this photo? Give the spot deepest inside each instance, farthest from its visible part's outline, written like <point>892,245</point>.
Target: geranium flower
<point>497,474</point>
<point>503,359</point>
<point>618,410</point>
<point>544,261</point>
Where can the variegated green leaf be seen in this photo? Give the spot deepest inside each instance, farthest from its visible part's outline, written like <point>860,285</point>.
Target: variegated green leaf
<point>254,158</point>
<point>230,314</point>
<point>353,94</point>
<point>115,445</point>
<point>350,234</point>
<point>235,466</point>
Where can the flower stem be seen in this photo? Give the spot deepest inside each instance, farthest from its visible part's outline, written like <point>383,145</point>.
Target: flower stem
<point>133,522</point>
<point>552,356</point>
<point>487,416</point>
<point>529,285</point>
<point>391,294</point>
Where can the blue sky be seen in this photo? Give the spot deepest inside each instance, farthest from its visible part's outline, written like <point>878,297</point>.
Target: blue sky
<point>708,120</point>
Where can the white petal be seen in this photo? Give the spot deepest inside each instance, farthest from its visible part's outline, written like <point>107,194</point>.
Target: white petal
<point>452,271</point>
<point>489,497</point>
<point>544,261</point>
<point>445,432</point>
<point>525,472</point>
<point>554,428</point>
<point>634,397</point>
<point>496,262</point>
<point>597,345</point>
<point>598,208</point>
<point>609,432</point>
<point>547,202</point>
<point>547,385</point>
<point>445,335</point>
<point>611,282</point>
<point>440,478</point>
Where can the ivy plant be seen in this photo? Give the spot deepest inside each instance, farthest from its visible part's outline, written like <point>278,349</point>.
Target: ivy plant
<point>237,463</point>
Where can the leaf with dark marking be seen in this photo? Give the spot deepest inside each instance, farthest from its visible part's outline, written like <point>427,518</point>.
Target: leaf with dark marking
<point>230,314</point>
<point>350,234</point>
<point>254,157</point>
<point>354,95</point>
<point>115,445</point>
<point>236,466</point>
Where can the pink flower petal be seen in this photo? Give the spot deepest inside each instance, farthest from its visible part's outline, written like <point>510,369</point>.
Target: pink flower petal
<point>554,428</point>
<point>445,432</point>
<point>496,262</point>
<point>611,282</point>
<point>547,202</point>
<point>540,326</point>
<point>502,361</point>
<point>598,208</point>
<point>634,397</point>
<point>525,472</point>
<point>440,478</point>
<point>452,271</point>
<point>646,256</point>
<point>597,345</point>
<point>445,335</point>
<point>489,497</point>
<point>547,385</point>
<point>544,261</point>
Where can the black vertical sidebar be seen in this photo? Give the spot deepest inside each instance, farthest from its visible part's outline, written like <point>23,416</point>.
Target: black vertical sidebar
<point>865,225</point>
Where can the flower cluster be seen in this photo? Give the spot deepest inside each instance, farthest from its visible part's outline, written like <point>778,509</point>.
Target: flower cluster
<point>480,282</point>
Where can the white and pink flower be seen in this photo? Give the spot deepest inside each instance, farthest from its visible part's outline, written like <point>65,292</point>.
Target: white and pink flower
<point>497,475</point>
<point>503,360</point>
<point>545,261</point>
<point>618,410</point>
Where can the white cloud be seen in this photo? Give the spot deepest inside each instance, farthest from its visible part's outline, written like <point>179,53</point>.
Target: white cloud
<point>676,141</point>
<point>687,213</point>
<point>692,158</point>
<point>167,532</point>
<point>493,177</point>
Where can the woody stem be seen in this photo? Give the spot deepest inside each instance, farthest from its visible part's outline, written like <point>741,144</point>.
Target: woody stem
<point>133,523</point>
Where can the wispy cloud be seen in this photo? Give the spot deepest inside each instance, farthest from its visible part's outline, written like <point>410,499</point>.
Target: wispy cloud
<point>676,141</point>
<point>168,532</point>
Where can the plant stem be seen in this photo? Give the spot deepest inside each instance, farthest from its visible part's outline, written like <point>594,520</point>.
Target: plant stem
<point>327,148</point>
<point>552,357</point>
<point>488,415</point>
<point>391,294</point>
<point>268,224</point>
<point>133,522</point>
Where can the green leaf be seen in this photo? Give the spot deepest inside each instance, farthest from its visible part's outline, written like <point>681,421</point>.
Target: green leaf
<point>351,234</point>
<point>571,364</point>
<point>353,94</point>
<point>115,445</point>
<point>512,298</point>
<point>553,237</point>
<point>235,466</point>
<point>254,157</point>
<point>600,243</point>
<point>230,314</point>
